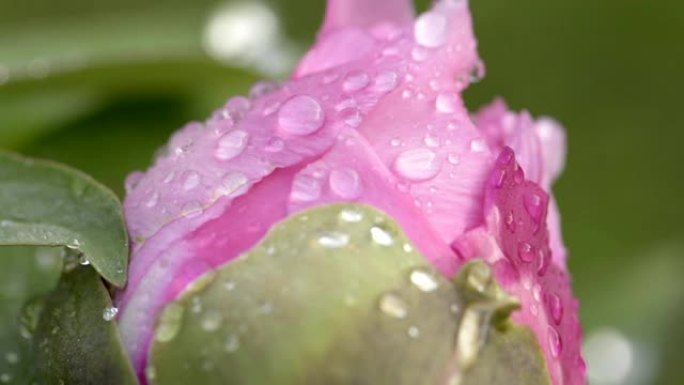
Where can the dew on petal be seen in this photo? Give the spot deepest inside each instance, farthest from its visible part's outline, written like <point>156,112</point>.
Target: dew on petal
<point>346,183</point>
<point>555,308</point>
<point>381,236</point>
<point>301,115</point>
<point>526,252</point>
<point>232,183</point>
<point>355,81</point>
<point>231,145</point>
<point>430,29</point>
<point>333,239</point>
<point>386,81</point>
<point>478,145</point>
<point>392,305</point>
<point>555,342</point>
<point>417,164</point>
<point>191,179</point>
<point>447,102</point>
<point>305,189</point>
<point>423,280</point>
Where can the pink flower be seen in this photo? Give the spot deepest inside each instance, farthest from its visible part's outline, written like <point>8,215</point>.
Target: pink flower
<point>373,114</point>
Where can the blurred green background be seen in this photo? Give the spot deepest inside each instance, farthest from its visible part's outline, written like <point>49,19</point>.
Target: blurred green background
<point>100,85</point>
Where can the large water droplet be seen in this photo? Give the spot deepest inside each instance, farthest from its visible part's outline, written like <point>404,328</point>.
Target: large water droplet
<point>555,342</point>
<point>301,115</point>
<point>351,215</point>
<point>447,102</point>
<point>386,81</point>
<point>231,144</point>
<point>418,164</point>
<point>109,313</point>
<point>381,236</point>
<point>392,305</point>
<point>424,280</point>
<point>355,80</point>
<point>333,239</point>
<point>526,252</point>
<point>430,29</point>
<point>555,308</point>
<point>346,183</point>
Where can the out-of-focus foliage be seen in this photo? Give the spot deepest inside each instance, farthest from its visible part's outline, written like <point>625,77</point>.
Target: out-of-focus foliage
<point>100,85</point>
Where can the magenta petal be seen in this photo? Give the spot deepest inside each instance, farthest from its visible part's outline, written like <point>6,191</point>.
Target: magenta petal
<point>516,211</point>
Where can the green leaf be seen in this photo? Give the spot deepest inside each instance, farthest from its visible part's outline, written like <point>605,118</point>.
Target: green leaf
<point>46,204</point>
<point>334,295</point>
<point>74,343</point>
<point>26,273</point>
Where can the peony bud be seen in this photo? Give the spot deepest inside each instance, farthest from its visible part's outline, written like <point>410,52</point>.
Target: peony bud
<point>373,115</point>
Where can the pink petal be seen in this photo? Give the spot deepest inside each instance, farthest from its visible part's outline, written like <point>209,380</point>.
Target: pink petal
<point>516,211</point>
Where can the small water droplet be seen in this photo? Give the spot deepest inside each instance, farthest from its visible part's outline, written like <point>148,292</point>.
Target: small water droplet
<point>232,343</point>
<point>424,280</point>
<point>229,285</point>
<point>191,179</point>
<point>555,342</point>
<point>396,142</point>
<point>419,53</point>
<point>510,222</point>
<point>447,102</point>
<point>333,239</point>
<point>232,183</point>
<point>346,183</point>
<point>478,145</point>
<point>392,305</point>
<point>262,88</point>
<point>74,244</point>
<point>544,260</point>
<point>351,116</point>
<point>132,180</point>
<point>275,144</point>
<point>355,80</point>
<point>430,29</point>
<point>418,164</point>
<point>83,260</point>
<point>431,140</point>
<point>555,308</point>
<point>537,292</point>
<point>109,313</point>
<point>413,332</point>
<point>211,321</point>
<point>381,236</point>
<point>301,115</point>
<point>526,252</point>
<point>453,159</point>
<point>351,215</point>
<point>169,323</point>
<point>533,204</point>
<point>231,145</point>
<point>305,189</point>
<point>386,81</point>
<point>407,248</point>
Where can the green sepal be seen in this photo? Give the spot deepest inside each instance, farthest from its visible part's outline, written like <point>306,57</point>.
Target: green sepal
<point>47,204</point>
<point>337,295</point>
<point>74,343</point>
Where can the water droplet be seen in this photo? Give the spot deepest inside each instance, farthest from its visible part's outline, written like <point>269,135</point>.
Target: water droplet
<point>262,88</point>
<point>533,204</point>
<point>478,145</point>
<point>333,239</point>
<point>555,342</point>
<point>231,145</point>
<point>430,29</point>
<point>169,323</point>
<point>211,321</point>
<point>510,222</point>
<point>413,332</point>
<point>74,244</point>
<point>447,102</point>
<point>544,260</point>
<point>395,142</point>
<point>305,189</point>
<point>83,260</point>
<point>381,236</point>
<point>351,215</point>
<point>555,308</point>
<point>526,252</point>
<point>346,183</point>
<point>536,292</point>
<point>132,180</point>
<point>392,305</point>
<point>192,209</point>
<point>418,164</point>
<point>275,144</point>
<point>386,81</point>
<point>229,285</point>
<point>424,280</point>
<point>407,248</point>
<point>232,343</point>
<point>191,179</point>
<point>431,141</point>
<point>301,115</point>
<point>355,80</point>
<point>351,116</point>
<point>109,313</point>
<point>232,183</point>
<point>453,159</point>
